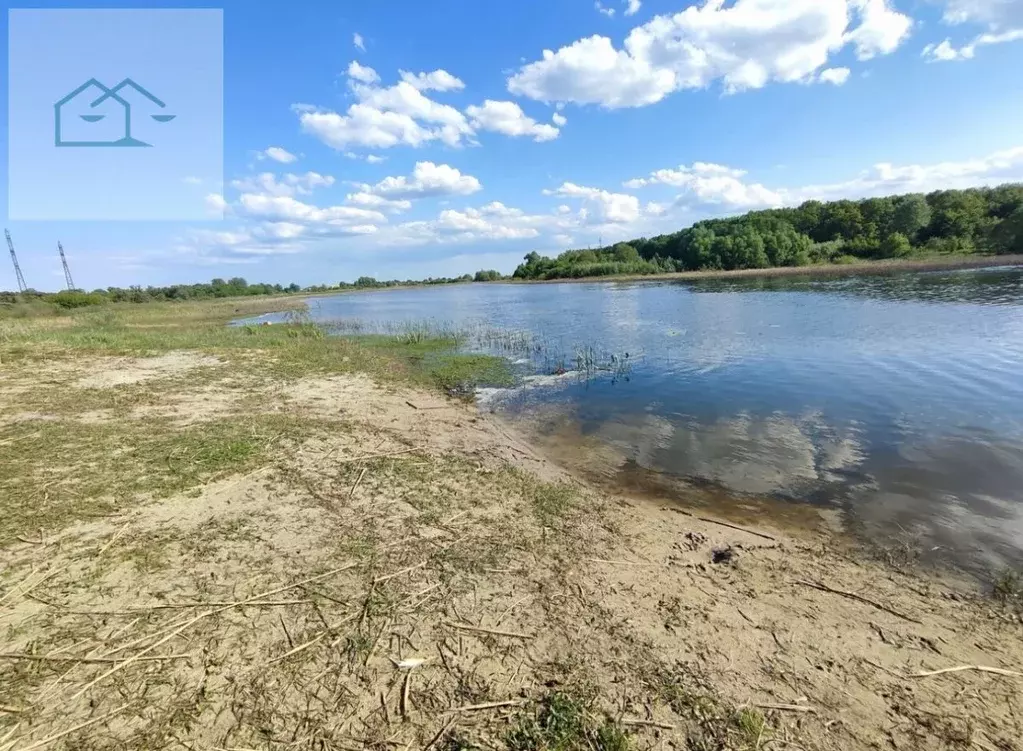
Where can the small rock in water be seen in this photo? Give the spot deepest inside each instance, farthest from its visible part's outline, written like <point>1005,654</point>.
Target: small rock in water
<point>723,555</point>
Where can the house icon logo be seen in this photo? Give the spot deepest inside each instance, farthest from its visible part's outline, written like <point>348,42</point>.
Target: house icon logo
<point>94,115</point>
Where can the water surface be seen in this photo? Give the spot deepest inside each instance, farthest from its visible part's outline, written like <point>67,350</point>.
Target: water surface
<point>896,401</point>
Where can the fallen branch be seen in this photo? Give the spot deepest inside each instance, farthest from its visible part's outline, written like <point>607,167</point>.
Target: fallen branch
<point>961,668</point>
<point>488,705</point>
<point>29,541</point>
<point>786,707</point>
<point>11,710</point>
<point>358,482</point>
<point>648,723</point>
<point>86,660</point>
<point>115,538</point>
<point>186,606</point>
<point>404,696</point>
<point>440,734</point>
<point>859,598</point>
<point>619,563</point>
<point>479,629</point>
<point>382,579</point>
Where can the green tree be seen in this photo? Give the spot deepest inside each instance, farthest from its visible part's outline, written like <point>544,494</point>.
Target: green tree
<point>896,245</point>
<point>1007,236</point>
<point>912,214</point>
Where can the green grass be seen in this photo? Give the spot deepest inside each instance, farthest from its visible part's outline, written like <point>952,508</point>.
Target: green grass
<point>563,721</point>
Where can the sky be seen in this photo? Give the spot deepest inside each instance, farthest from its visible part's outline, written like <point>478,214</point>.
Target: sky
<point>403,139</point>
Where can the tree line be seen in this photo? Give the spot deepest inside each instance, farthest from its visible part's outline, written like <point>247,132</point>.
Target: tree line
<point>217,288</point>
<point>947,222</point>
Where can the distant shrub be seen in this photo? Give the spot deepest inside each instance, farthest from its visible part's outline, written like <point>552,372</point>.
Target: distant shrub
<point>75,299</point>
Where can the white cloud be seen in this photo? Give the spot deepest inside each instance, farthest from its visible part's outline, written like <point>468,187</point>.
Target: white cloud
<point>609,12</point>
<point>1002,19</point>
<point>882,28</point>
<point>996,14</point>
<point>427,180</point>
<point>745,45</point>
<point>712,184</point>
<point>288,185</point>
<point>945,52</point>
<point>191,180</point>
<point>358,41</point>
<point>277,154</point>
<point>438,80</point>
<point>633,7</point>
<point>373,201</point>
<point>362,73</point>
<point>558,119</point>
<point>216,203</point>
<point>608,207</point>
<point>286,208</point>
<point>509,119</point>
<point>837,76</point>
<point>385,117</point>
<point>374,159</point>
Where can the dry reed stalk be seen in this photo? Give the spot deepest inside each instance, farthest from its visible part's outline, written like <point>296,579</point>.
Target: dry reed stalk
<point>86,660</point>
<point>859,598</point>
<point>185,625</point>
<point>480,629</point>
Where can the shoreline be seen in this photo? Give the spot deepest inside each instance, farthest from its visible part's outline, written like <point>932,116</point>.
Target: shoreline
<point>831,269</point>
<point>268,538</point>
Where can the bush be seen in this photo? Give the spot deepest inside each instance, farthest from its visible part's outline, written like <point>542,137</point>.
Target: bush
<point>76,299</point>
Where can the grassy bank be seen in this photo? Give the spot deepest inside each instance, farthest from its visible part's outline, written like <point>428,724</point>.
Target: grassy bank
<point>853,268</point>
<point>267,538</point>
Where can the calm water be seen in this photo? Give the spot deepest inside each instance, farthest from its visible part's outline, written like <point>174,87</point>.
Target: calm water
<point>894,400</point>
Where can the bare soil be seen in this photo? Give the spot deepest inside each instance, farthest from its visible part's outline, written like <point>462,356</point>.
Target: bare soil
<point>411,573</point>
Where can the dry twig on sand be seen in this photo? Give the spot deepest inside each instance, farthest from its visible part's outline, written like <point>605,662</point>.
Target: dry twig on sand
<point>961,668</point>
<point>488,705</point>
<point>479,629</point>
<point>859,598</point>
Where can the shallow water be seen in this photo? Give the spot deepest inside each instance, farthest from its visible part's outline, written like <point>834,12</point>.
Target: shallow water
<point>895,400</point>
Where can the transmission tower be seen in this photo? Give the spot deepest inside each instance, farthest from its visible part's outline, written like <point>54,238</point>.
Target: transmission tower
<point>17,269</point>
<point>67,271</point>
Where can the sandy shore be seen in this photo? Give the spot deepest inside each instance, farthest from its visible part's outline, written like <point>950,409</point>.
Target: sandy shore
<point>406,572</point>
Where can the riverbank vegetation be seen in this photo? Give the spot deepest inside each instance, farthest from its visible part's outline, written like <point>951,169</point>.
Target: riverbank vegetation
<point>951,222</point>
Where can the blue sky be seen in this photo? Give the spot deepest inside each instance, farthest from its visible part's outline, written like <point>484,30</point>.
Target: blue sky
<point>408,139</point>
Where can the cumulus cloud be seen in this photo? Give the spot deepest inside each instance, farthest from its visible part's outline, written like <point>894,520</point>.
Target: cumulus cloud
<point>427,180</point>
<point>509,119</point>
<point>438,80</point>
<point>996,14</point>
<point>286,208</point>
<point>743,46</point>
<point>946,52</point>
<point>601,205</point>
<point>837,76</point>
<point>387,116</point>
<point>632,7</point>
<point>1001,19</point>
<point>609,12</point>
<point>707,186</point>
<point>358,41</point>
<point>558,119</point>
<point>287,185</point>
<point>277,154</point>
<point>373,201</point>
<point>362,73</point>
<point>712,184</point>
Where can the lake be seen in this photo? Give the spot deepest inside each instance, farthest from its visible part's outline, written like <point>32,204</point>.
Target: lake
<point>890,404</point>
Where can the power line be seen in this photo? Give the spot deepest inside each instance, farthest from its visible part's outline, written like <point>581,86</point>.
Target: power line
<point>22,287</point>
